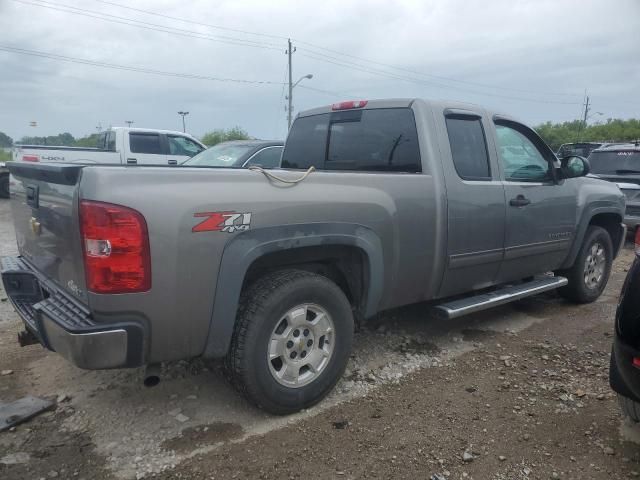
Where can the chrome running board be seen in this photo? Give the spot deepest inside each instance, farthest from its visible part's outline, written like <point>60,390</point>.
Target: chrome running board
<point>464,306</point>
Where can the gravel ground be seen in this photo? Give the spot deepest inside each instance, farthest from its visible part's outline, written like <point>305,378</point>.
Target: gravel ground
<point>515,392</point>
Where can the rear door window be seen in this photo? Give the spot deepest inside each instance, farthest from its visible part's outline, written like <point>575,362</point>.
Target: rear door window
<point>468,148</point>
<point>376,140</point>
<point>145,143</point>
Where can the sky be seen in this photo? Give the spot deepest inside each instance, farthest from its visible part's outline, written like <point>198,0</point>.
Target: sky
<point>532,59</point>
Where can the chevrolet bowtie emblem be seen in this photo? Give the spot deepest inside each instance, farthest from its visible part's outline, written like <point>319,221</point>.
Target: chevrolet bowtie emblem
<point>35,226</point>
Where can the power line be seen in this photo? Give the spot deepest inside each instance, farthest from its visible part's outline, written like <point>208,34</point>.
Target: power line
<point>218,27</point>
<point>437,77</point>
<point>94,63</point>
<point>250,43</point>
<point>327,92</point>
<point>426,82</point>
<point>149,26</point>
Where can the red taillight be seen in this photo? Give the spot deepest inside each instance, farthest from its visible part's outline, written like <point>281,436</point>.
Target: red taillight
<point>30,158</point>
<point>637,241</point>
<point>349,105</point>
<point>115,243</point>
<point>636,362</point>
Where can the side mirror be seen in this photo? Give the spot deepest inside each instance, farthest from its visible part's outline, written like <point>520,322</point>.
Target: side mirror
<point>574,166</point>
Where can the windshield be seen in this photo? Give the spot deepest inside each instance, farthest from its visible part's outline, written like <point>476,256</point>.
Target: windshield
<point>615,163</point>
<point>221,155</point>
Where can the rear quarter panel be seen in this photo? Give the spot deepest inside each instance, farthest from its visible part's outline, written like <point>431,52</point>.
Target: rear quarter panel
<point>398,208</point>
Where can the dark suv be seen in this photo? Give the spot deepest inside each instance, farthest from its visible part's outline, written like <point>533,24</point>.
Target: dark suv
<point>621,164</point>
<point>624,373</point>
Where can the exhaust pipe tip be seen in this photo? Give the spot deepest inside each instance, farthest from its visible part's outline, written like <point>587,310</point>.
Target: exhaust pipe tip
<point>152,375</point>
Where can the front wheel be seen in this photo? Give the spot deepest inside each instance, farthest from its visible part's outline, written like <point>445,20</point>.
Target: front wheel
<point>590,272</point>
<point>292,340</point>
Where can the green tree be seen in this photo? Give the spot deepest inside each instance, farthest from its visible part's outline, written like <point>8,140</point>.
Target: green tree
<point>221,135</point>
<point>5,140</point>
<point>62,139</point>
<point>613,130</point>
<point>88,141</point>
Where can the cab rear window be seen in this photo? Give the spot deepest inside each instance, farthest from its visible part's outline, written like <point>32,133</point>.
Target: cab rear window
<point>376,140</point>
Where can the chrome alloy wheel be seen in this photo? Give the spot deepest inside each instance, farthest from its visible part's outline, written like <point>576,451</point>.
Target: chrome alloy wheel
<point>301,345</point>
<point>594,266</point>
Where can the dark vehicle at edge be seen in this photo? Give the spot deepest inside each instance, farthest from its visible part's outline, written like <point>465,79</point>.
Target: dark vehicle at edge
<point>624,370</point>
<point>582,149</point>
<point>239,154</point>
<point>620,163</point>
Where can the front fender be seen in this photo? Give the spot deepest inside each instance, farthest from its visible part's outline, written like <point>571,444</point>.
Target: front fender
<point>240,253</point>
<point>581,231</point>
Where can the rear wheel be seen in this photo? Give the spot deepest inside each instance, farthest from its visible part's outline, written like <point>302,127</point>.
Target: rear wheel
<point>590,272</point>
<point>630,408</point>
<point>292,340</point>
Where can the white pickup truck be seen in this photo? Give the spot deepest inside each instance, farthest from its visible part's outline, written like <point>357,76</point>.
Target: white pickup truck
<point>133,146</point>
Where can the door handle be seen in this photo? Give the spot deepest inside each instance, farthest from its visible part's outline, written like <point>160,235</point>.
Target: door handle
<point>173,162</point>
<point>519,201</point>
<point>132,161</point>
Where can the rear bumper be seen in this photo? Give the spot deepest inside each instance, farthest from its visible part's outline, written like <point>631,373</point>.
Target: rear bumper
<point>624,377</point>
<point>65,326</point>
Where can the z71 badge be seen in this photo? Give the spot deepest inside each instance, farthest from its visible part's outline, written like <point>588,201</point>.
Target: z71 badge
<point>229,222</point>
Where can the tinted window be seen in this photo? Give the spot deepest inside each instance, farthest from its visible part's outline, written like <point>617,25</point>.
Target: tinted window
<point>183,146</point>
<point>220,155</point>
<point>101,141</point>
<point>468,148</point>
<point>521,159</point>
<point>111,141</point>
<point>374,140</point>
<point>306,143</point>
<point>145,143</point>
<point>365,140</point>
<point>622,162</point>
<point>267,157</point>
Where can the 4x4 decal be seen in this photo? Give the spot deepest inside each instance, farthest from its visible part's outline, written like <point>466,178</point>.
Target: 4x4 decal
<point>229,222</point>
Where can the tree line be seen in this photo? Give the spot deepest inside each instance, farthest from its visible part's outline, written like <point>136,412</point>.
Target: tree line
<point>613,130</point>
<point>554,134</point>
<point>67,140</point>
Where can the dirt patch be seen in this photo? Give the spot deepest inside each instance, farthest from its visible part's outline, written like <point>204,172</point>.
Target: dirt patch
<point>202,436</point>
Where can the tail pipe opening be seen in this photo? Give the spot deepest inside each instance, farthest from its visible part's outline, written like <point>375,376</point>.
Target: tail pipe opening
<point>152,375</point>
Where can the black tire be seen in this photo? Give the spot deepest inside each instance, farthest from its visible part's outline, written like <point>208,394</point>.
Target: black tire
<point>4,185</point>
<point>577,289</point>
<point>630,408</point>
<point>262,308</point>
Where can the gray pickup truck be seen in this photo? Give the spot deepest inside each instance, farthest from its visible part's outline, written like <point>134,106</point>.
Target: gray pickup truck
<point>408,201</point>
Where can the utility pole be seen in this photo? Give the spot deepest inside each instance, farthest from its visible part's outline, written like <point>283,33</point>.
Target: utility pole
<point>586,111</point>
<point>290,97</point>
<point>184,114</point>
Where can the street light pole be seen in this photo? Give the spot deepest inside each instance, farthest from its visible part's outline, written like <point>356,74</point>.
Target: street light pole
<point>129,123</point>
<point>184,114</point>
<point>291,87</point>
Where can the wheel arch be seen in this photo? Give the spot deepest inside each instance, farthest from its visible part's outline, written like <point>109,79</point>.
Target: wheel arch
<point>333,250</point>
<point>610,220</point>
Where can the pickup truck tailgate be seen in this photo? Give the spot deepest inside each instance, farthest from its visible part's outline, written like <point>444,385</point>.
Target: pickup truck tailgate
<point>44,202</point>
